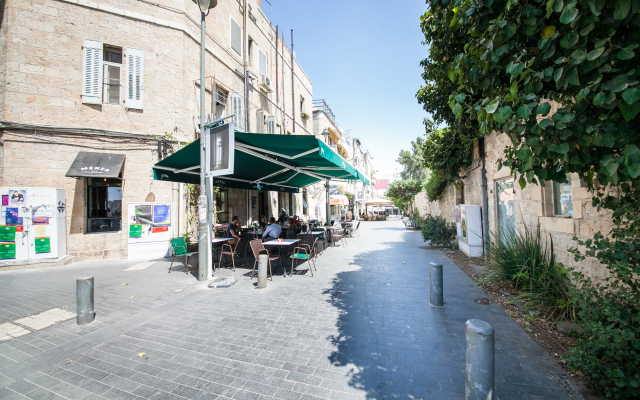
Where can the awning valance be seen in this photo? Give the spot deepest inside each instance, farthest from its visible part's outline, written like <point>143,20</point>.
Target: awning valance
<point>100,165</point>
<point>278,162</point>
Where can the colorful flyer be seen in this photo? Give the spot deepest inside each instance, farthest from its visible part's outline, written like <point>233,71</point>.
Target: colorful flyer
<point>41,230</point>
<point>7,233</point>
<point>19,228</point>
<point>7,251</point>
<point>40,220</point>
<point>16,197</point>
<point>12,217</point>
<point>161,214</point>
<point>5,199</point>
<point>43,245</point>
<point>135,230</point>
<point>143,214</point>
<point>160,229</point>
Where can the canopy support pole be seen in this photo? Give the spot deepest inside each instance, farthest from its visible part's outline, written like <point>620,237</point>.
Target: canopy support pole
<point>328,204</point>
<point>204,215</point>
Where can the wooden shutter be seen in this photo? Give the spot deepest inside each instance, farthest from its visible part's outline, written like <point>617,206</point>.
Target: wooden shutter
<point>271,125</point>
<point>134,78</point>
<point>92,72</point>
<point>236,108</point>
<point>236,37</point>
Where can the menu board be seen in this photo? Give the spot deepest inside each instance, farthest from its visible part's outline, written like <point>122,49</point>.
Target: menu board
<point>7,233</point>
<point>43,245</point>
<point>7,251</point>
<point>135,230</point>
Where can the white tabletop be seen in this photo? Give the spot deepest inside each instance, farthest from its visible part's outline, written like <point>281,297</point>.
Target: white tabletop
<point>220,240</point>
<point>284,242</point>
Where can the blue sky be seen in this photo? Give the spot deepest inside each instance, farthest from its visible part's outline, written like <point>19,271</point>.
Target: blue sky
<point>363,59</point>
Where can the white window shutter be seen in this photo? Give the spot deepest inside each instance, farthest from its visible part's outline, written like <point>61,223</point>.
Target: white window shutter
<point>271,125</point>
<point>236,108</point>
<point>134,78</point>
<point>262,62</point>
<point>236,37</point>
<point>260,120</point>
<point>92,72</point>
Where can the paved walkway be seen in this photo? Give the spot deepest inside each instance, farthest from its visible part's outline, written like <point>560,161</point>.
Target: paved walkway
<point>376,338</point>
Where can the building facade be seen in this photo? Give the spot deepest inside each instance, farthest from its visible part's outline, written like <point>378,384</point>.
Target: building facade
<point>121,78</point>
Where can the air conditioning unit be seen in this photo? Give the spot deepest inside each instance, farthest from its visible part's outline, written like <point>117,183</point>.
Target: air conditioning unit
<point>266,83</point>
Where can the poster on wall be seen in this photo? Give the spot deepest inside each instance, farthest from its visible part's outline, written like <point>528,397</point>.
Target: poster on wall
<point>135,230</point>
<point>45,210</point>
<point>5,200</point>
<point>159,229</point>
<point>40,220</point>
<point>463,222</point>
<point>43,245</point>
<point>7,233</point>
<point>40,230</point>
<point>16,197</point>
<point>143,214</point>
<point>161,214</point>
<point>7,251</point>
<point>12,217</point>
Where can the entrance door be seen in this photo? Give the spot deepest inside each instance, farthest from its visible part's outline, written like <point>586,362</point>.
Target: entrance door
<point>506,212</point>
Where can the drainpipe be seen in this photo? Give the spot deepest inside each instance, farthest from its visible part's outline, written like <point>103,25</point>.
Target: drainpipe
<point>246,79</point>
<point>328,203</point>
<point>485,209</point>
<point>293,96</point>
<point>175,209</point>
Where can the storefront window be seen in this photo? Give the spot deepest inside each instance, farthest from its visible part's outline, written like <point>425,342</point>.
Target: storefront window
<point>104,204</point>
<point>222,205</point>
<point>562,198</point>
<point>505,198</point>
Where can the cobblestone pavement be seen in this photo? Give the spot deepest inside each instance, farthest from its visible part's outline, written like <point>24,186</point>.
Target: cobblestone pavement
<point>362,328</point>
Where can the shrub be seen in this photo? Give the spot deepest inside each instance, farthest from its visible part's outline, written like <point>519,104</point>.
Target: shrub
<point>435,185</point>
<point>527,259</point>
<point>438,231</point>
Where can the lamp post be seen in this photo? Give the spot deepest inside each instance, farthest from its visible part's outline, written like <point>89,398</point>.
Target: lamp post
<point>204,220</point>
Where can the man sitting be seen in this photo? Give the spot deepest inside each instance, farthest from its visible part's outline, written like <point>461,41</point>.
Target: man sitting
<point>272,232</point>
<point>233,230</point>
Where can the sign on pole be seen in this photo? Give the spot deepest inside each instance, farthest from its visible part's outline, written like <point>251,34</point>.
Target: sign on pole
<point>219,150</point>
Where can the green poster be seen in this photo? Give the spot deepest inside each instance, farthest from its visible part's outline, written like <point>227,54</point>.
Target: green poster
<point>135,230</point>
<point>7,233</point>
<point>43,245</point>
<point>7,251</point>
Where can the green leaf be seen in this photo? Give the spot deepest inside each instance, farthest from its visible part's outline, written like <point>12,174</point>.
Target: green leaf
<point>596,6</point>
<point>573,77</point>
<point>578,56</point>
<point>522,182</point>
<point>630,110</point>
<point>557,5</point>
<point>633,170</point>
<point>598,99</point>
<point>557,74</point>
<point>544,123</point>
<point>543,109</point>
<point>582,94</point>
<point>612,168</point>
<point>569,13</point>
<point>524,111</point>
<point>514,89</point>
<point>631,95</point>
<point>617,84</point>
<point>568,118</point>
<point>569,40</point>
<point>524,153</point>
<point>502,114</point>
<point>595,53</point>
<point>460,98</point>
<point>621,10</point>
<point>491,108</point>
<point>563,148</point>
<point>457,110</point>
<point>626,53</point>
<point>452,75</point>
<point>515,69</point>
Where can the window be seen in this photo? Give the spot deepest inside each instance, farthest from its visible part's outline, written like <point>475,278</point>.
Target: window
<point>301,104</point>
<point>112,60</point>
<point>562,198</point>
<point>222,205</point>
<point>271,125</point>
<point>237,104</point>
<point>262,62</point>
<point>104,204</point>
<point>221,102</point>
<point>236,37</point>
<point>260,120</point>
<point>505,196</point>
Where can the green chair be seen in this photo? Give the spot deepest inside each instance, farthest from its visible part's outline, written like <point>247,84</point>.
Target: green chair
<point>301,256</point>
<point>180,249</point>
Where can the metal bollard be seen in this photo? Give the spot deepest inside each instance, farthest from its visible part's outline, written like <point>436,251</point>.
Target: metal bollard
<point>480,365</point>
<point>263,261</point>
<point>84,300</point>
<point>436,285</point>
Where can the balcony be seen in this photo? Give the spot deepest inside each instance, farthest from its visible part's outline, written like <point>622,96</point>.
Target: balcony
<point>322,105</point>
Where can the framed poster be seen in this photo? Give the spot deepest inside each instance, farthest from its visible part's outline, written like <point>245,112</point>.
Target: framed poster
<point>219,150</point>
<point>7,251</point>
<point>161,214</point>
<point>43,245</point>
<point>7,233</point>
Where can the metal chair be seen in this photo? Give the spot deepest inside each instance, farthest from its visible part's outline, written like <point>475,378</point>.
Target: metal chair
<point>179,247</point>
<point>356,230</point>
<point>257,247</point>
<point>240,247</point>
<point>301,256</point>
<point>310,242</point>
<point>337,234</point>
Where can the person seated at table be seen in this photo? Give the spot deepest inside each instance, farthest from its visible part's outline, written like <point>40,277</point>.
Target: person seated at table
<point>233,230</point>
<point>296,220</point>
<point>272,231</point>
<point>291,232</point>
<point>263,220</point>
<point>293,223</point>
<point>263,225</point>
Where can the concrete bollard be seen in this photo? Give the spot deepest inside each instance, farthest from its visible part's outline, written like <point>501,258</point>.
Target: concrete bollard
<point>436,285</point>
<point>84,300</point>
<point>480,365</point>
<point>263,261</point>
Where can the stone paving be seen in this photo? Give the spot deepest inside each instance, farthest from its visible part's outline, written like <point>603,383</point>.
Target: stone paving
<point>362,328</point>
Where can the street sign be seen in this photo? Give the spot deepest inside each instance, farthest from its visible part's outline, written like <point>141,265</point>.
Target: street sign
<point>219,150</point>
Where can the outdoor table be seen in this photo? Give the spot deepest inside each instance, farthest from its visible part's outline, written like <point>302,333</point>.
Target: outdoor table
<point>285,243</point>
<point>215,241</point>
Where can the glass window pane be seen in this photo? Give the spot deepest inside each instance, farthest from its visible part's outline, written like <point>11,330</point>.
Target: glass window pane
<point>114,202</point>
<point>506,215</point>
<point>104,225</point>
<point>104,204</point>
<point>562,198</point>
<point>112,84</point>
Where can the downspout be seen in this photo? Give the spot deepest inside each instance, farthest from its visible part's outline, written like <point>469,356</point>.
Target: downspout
<point>293,97</point>
<point>244,59</point>
<point>175,191</point>
<point>328,203</point>
<point>277,100</point>
<point>485,209</point>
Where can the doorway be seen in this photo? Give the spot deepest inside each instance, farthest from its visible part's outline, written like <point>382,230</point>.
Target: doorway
<point>505,196</point>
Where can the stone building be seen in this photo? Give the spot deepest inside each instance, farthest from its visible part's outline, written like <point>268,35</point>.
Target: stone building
<point>121,77</point>
<point>563,209</point>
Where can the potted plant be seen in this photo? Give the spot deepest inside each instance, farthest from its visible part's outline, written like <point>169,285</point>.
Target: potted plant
<point>304,116</point>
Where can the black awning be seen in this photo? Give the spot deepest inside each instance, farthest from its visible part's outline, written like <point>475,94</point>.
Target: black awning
<point>104,165</point>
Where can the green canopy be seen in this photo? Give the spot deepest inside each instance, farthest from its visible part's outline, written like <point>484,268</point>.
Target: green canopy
<point>283,163</point>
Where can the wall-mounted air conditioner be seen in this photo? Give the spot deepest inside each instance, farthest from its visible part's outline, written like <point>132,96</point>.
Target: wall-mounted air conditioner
<point>266,83</point>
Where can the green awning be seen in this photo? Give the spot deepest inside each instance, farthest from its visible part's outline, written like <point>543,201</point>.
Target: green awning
<point>282,163</point>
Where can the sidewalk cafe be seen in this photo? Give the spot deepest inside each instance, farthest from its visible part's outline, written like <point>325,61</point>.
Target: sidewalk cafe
<point>375,209</point>
<point>269,163</point>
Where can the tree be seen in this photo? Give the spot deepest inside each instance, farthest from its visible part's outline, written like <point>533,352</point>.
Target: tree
<point>402,193</point>
<point>412,162</point>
